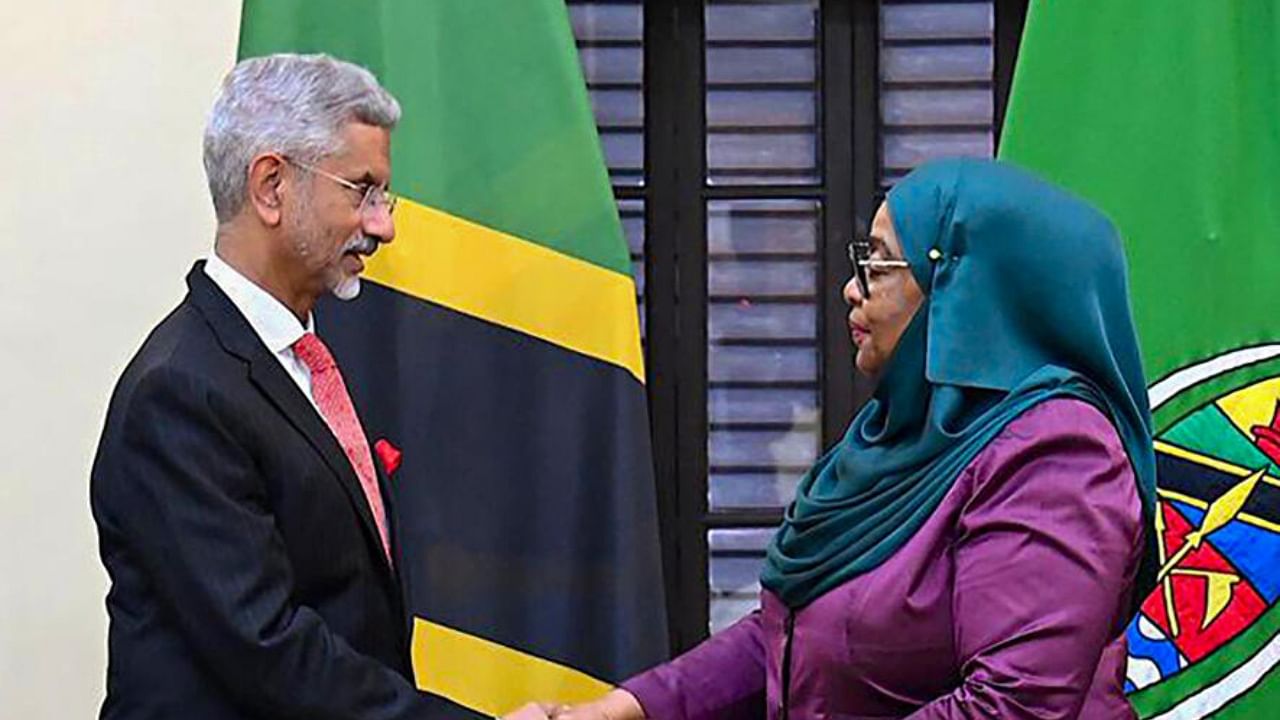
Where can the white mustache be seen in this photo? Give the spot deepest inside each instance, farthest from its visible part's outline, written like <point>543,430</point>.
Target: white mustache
<point>361,243</point>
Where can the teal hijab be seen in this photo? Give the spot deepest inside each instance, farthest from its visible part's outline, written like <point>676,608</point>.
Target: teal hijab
<point>1026,299</point>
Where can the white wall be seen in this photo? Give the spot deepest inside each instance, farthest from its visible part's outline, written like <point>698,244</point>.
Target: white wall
<point>102,209</point>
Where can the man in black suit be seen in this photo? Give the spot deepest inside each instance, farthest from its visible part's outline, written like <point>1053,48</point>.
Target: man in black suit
<point>242,518</point>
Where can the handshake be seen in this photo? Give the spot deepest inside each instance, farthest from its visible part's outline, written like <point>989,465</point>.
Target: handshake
<point>617,705</point>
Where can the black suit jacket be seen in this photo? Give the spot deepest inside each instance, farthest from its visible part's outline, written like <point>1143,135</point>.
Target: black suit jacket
<point>247,577</point>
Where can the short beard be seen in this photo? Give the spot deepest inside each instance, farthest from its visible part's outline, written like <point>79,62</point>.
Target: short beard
<point>345,287</point>
<point>307,236</point>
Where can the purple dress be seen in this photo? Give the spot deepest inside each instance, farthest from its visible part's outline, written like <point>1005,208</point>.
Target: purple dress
<point>1009,602</point>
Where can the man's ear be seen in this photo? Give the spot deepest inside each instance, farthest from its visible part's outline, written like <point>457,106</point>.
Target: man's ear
<point>266,178</point>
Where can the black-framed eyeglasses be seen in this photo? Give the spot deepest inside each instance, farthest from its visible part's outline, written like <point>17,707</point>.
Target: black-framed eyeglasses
<point>372,197</point>
<point>860,258</point>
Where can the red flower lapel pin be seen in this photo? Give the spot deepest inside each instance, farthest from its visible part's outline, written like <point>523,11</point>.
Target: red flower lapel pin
<point>389,455</point>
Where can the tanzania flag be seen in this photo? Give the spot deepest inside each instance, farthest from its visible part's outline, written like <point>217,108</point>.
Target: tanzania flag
<point>1168,116</point>
<point>498,346</point>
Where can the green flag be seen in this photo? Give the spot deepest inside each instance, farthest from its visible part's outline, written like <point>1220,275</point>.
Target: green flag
<point>498,346</point>
<point>1167,115</point>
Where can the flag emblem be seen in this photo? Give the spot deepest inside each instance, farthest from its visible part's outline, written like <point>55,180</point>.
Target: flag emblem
<point>1218,536</point>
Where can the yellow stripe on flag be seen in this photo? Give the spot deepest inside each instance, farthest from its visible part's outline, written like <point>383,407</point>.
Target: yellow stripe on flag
<point>1213,463</point>
<point>489,678</point>
<point>1202,505</point>
<point>512,282</point>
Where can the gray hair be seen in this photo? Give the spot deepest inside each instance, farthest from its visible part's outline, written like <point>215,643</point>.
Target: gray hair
<point>292,104</point>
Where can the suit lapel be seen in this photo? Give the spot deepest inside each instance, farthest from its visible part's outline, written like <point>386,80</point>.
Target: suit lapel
<point>265,372</point>
<point>393,529</point>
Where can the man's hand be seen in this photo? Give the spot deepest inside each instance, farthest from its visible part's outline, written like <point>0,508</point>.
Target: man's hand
<point>534,711</point>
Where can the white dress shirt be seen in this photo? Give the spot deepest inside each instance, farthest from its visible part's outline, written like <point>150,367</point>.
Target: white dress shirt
<point>273,322</point>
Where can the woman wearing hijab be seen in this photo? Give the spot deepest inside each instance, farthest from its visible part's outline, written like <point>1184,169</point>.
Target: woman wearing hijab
<point>972,547</point>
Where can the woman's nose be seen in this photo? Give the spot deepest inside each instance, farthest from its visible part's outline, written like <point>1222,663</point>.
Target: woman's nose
<point>852,293</point>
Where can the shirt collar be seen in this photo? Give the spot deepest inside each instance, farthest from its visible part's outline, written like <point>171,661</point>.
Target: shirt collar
<point>270,319</point>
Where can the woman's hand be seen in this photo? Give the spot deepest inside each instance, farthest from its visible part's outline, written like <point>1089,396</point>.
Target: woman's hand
<point>617,705</point>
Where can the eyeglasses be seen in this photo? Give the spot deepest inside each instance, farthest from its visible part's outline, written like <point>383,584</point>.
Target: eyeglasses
<point>372,197</point>
<point>860,257</point>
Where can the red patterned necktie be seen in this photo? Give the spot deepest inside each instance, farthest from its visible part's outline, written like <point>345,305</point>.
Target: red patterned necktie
<point>330,393</point>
